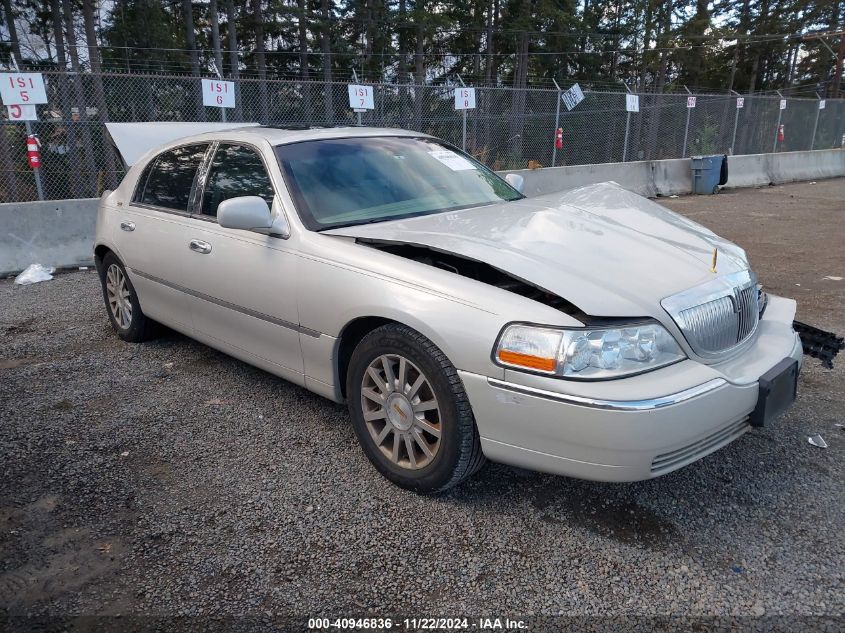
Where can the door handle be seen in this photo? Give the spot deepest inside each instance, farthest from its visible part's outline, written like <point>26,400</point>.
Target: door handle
<point>199,246</point>
<point>127,226</point>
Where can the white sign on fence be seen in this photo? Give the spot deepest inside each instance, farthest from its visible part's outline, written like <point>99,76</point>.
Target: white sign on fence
<point>783,104</point>
<point>464,98</point>
<point>22,113</point>
<point>632,103</point>
<point>22,88</point>
<point>218,94</point>
<point>740,102</point>
<point>821,104</point>
<point>572,97</point>
<point>361,98</point>
<point>690,102</point>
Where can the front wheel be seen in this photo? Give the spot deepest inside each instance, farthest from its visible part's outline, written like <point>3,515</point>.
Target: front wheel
<point>410,411</point>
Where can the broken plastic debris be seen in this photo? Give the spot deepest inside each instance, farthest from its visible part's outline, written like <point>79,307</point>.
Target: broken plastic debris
<point>34,273</point>
<point>832,278</point>
<point>125,454</point>
<point>83,268</point>
<point>674,195</point>
<point>817,440</point>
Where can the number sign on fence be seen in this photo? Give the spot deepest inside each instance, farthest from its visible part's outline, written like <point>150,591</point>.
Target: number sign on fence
<point>464,98</point>
<point>218,94</point>
<point>22,88</point>
<point>572,97</point>
<point>22,112</point>
<point>361,98</point>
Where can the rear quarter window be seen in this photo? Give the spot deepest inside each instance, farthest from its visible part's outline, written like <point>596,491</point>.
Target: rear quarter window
<point>168,179</point>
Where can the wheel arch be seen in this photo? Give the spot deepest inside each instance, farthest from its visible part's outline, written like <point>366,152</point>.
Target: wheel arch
<point>100,251</point>
<point>350,335</point>
<point>356,329</point>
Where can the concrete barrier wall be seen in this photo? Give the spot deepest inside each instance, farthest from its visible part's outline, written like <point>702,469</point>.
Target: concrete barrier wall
<point>60,233</point>
<point>670,177</point>
<point>756,170</point>
<point>56,233</point>
<point>648,178</point>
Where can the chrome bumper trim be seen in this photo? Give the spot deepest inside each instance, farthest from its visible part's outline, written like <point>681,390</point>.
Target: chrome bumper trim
<point>612,405</point>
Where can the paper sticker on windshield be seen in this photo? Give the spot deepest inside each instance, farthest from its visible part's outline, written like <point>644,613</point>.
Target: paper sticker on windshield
<point>453,161</point>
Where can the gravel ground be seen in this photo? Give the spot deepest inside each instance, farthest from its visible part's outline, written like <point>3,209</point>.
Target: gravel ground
<point>168,479</point>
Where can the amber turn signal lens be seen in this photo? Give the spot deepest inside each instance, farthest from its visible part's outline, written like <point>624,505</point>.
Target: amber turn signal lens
<point>527,360</point>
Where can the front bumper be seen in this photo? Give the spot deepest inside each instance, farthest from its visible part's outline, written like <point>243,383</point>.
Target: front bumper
<point>634,428</point>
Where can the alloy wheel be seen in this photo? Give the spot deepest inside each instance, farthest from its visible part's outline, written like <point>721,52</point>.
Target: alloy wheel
<point>401,411</point>
<point>119,296</point>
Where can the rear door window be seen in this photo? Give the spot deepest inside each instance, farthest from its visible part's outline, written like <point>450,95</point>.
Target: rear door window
<point>169,180</point>
<point>236,170</point>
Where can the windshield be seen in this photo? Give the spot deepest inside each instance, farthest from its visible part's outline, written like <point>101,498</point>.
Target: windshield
<point>346,181</point>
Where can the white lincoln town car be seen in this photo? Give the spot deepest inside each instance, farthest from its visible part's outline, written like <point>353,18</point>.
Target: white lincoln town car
<point>591,333</point>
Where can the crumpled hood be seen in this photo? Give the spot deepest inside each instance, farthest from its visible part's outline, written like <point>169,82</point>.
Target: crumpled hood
<point>607,250</point>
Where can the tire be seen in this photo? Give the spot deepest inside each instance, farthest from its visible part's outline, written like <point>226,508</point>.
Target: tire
<point>130,325</point>
<point>383,414</point>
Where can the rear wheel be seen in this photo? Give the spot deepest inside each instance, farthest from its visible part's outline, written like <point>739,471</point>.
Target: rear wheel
<point>124,311</point>
<point>410,411</point>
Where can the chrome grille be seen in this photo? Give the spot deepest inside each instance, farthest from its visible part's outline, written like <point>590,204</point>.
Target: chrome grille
<point>718,315</point>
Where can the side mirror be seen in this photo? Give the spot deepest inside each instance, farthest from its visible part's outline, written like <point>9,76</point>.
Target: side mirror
<point>516,181</point>
<point>250,213</point>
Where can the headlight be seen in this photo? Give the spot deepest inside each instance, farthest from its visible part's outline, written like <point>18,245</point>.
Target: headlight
<point>598,353</point>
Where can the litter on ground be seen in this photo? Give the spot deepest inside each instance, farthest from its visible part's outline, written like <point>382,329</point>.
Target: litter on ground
<point>33,274</point>
<point>817,440</point>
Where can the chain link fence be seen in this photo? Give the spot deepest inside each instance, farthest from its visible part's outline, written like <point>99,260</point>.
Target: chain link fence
<point>508,129</point>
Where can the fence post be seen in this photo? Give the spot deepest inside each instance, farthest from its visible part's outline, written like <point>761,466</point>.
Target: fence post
<point>736,121</point>
<point>816,123</point>
<point>777,127</point>
<point>220,77</point>
<point>36,171</point>
<point>355,77</point>
<point>686,129</point>
<point>557,123</point>
<point>464,135</point>
<point>627,128</point>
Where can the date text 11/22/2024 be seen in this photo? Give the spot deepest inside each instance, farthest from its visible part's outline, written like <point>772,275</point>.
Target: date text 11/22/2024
<point>416,624</point>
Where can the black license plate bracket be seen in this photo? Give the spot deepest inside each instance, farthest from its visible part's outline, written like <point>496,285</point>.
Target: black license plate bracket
<point>778,389</point>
